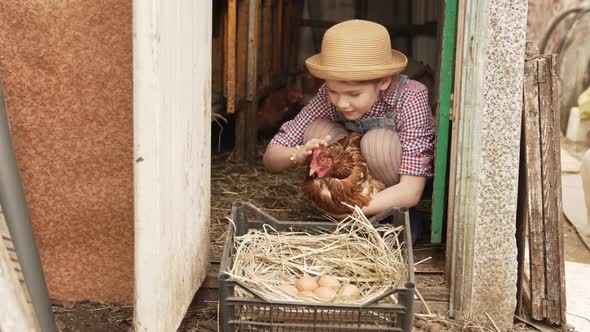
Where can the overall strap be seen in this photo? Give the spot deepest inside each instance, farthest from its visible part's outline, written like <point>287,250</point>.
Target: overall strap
<point>398,94</point>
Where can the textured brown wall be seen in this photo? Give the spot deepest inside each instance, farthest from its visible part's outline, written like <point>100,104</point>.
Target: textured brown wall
<point>67,72</point>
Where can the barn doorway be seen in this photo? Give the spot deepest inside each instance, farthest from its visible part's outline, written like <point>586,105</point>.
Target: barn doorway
<point>259,50</point>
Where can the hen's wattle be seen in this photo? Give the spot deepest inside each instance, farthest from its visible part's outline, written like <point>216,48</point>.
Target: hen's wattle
<point>337,174</point>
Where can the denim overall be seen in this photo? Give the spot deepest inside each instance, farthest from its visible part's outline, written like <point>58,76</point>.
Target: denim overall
<point>387,121</point>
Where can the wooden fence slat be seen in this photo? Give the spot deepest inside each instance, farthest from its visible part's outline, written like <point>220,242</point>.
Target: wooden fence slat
<point>287,32</point>
<point>230,91</point>
<point>277,36</point>
<point>266,42</point>
<point>253,37</point>
<point>225,48</point>
<point>550,179</point>
<point>245,147</point>
<point>242,47</point>
<point>557,139</point>
<point>293,47</point>
<point>535,194</point>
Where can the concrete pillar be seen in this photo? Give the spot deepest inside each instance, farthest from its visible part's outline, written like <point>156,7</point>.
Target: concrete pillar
<point>489,93</point>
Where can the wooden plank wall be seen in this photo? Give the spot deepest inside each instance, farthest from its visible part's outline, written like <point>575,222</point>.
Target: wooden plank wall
<point>541,211</point>
<point>257,39</point>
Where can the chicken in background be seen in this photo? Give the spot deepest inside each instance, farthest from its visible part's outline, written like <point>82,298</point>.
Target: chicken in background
<point>276,108</point>
<point>338,173</point>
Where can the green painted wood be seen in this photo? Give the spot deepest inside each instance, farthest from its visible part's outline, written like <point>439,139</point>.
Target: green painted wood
<point>442,146</point>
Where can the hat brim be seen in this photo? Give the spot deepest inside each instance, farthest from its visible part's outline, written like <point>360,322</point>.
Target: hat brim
<point>359,73</point>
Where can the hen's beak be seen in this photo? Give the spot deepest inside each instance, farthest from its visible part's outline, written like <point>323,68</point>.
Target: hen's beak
<point>312,171</point>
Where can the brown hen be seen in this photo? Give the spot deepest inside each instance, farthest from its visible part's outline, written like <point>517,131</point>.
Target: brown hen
<point>337,174</point>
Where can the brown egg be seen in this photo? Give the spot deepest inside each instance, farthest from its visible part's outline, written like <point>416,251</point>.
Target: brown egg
<point>349,291</point>
<point>325,294</point>
<point>306,283</point>
<point>329,281</point>
<point>306,295</point>
<point>289,289</point>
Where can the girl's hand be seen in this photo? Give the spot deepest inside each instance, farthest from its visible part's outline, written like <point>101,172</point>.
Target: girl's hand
<point>306,151</point>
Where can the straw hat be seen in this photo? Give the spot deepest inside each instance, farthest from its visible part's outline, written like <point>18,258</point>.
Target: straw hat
<point>356,50</point>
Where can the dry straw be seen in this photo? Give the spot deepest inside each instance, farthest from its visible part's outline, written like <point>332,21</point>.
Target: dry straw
<point>356,252</point>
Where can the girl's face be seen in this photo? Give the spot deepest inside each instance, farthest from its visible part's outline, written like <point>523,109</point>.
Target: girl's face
<point>354,99</point>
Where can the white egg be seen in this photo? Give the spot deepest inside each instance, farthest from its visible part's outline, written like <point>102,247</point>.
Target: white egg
<point>306,283</point>
<point>349,291</point>
<point>325,294</point>
<point>329,281</point>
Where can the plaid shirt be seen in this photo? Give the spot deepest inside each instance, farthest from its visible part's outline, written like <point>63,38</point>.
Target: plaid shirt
<point>413,118</point>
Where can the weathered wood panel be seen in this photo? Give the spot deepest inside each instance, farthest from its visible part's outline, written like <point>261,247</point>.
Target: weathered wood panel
<point>542,193</point>
<point>455,115</point>
<point>245,144</point>
<point>16,310</point>
<point>172,70</point>
<point>532,142</point>
<point>277,38</point>
<point>266,42</point>
<point>551,181</point>
<point>230,51</point>
<point>242,47</point>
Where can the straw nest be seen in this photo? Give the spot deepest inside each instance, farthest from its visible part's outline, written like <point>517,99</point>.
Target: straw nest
<point>278,194</point>
<point>355,253</point>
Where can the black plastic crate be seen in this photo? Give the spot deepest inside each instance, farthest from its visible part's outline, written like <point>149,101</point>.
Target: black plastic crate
<point>257,314</point>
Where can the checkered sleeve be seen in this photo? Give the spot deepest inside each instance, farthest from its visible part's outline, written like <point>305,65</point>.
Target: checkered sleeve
<point>416,130</point>
<point>291,132</point>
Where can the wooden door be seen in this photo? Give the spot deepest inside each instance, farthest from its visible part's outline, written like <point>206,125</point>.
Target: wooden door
<point>171,110</point>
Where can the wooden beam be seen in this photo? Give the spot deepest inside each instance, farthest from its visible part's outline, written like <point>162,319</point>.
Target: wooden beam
<point>454,117</point>
<point>292,54</point>
<point>277,35</point>
<point>230,83</point>
<point>245,145</point>
<point>535,195</point>
<point>242,46</point>
<point>253,42</point>
<point>551,180</point>
<point>266,42</point>
<point>287,35</point>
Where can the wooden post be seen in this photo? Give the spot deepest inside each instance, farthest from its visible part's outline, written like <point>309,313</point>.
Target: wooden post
<point>551,175</point>
<point>266,42</point>
<point>242,47</point>
<point>454,116</point>
<point>535,194</point>
<point>543,189</point>
<point>230,88</point>
<point>287,34</point>
<point>245,145</point>
<point>277,39</point>
<point>293,47</point>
